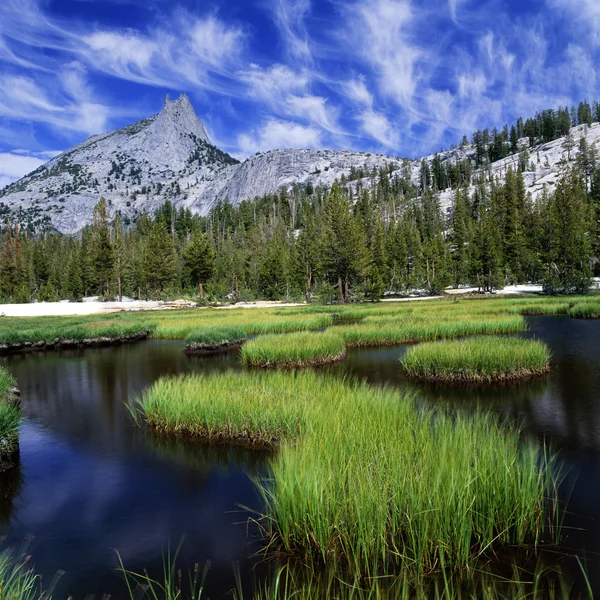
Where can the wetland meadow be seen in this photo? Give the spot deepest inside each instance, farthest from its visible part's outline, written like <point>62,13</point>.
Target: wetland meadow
<point>448,448</point>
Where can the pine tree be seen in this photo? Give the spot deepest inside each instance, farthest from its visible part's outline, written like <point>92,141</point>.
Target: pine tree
<point>343,244</point>
<point>160,268</point>
<point>102,254</point>
<point>309,252</point>
<point>8,268</point>
<point>460,238</point>
<point>121,263</point>
<point>199,260</point>
<point>568,260</point>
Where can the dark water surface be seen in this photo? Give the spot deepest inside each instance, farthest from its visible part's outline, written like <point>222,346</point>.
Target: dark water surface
<point>90,483</point>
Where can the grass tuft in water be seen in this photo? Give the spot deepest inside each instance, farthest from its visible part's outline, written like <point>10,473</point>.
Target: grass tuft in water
<point>210,339</point>
<point>365,482</point>
<point>481,359</point>
<point>585,310</point>
<point>294,350</point>
<point>10,417</point>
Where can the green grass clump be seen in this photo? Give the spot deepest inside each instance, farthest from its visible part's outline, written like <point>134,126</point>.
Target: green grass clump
<point>294,350</point>
<point>484,359</point>
<point>18,581</point>
<point>214,338</point>
<point>585,310</point>
<point>249,408</point>
<point>10,416</point>
<point>413,329</point>
<point>57,330</point>
<point>375,486</point>
<point>365,481</point>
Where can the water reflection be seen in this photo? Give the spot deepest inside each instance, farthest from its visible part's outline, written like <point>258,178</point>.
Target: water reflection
<point>90,482</point>
<point>93,484</point>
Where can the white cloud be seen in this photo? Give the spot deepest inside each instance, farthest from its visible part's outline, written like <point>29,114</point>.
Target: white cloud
<point>22,98</point>
<point>275,83</point>
<point>13,166</point>
<point>313,109</point>
<point>214,42</point>
<point>289,17</point>
<point>583,15</point>
<point>276,133</point>
<point>381,33</point>
<point>357,91</point>
<point>377,126</point>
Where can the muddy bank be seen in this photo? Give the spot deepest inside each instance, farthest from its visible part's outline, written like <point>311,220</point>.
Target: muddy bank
<point>67,344</point>
<point>207,349</point>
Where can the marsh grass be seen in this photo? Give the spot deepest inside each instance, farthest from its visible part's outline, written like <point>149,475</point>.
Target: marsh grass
<point>253,408</point>
<point>60,330</point>
<point>585,310</point>
<point>215,338</point>
<point>481,359</point>
<point>415,329</point>
<point>364,481</point>
<point>10,416</point>
<point>376,486</point>
<point>294,350</point>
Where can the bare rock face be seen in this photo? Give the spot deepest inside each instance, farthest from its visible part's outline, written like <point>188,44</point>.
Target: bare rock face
<point>169,156</point>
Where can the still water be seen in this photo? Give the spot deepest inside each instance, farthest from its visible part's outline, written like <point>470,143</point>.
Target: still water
<point>90,484</point>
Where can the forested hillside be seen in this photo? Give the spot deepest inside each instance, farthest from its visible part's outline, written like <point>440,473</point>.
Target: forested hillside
<point>338,244</point>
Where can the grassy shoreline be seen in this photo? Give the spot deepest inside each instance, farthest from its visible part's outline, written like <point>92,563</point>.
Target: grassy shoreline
<point>294,350</point>
<point>10,420</point>
<point>361,325</point>
<point>340,493</point>
<point>477,360</point>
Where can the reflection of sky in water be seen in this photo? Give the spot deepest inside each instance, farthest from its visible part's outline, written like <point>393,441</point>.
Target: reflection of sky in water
<point>91,482</point>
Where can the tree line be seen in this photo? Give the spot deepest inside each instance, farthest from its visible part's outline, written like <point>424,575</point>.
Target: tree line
<point>352,241</point>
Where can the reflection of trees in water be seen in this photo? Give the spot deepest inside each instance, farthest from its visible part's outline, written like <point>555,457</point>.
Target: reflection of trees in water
<point>11,485</point>
<point>203,457</point>
<point>82,394</point>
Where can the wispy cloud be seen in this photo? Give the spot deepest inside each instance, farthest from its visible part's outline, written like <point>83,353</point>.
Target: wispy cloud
<point>401,76</point>
<point>290,18</point>
<point>279,134</point>
<point>15,164</point>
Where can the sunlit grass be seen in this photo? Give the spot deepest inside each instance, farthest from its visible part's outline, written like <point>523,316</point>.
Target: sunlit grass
<point>364,480</point>
<point>585,310</point>
<point>294,349</point>
<point>409,330</point>
<point>480,359</point>
<point>10,415</point>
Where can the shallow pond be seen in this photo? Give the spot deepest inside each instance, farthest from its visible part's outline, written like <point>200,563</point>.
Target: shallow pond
<point>90,483</point>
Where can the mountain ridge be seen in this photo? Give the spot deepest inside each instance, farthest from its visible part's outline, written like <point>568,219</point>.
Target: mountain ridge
<point>169,156</point>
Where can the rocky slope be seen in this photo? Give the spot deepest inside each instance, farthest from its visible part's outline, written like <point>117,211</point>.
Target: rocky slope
<point>170,157</point>
<point>166,157</point>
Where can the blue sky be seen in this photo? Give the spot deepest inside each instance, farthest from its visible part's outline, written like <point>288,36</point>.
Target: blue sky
<point>403,77</point>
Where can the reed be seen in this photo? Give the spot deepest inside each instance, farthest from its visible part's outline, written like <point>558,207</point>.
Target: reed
<point>481,359</point>
<point>585,310</point>
<point>18,581</point>
<point>405,331</point>
<point>365,482</point>
<point>10,418</point>
<point>294,350</point>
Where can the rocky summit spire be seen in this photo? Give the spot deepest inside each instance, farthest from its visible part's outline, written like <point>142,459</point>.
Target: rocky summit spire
<point>179,116</point>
